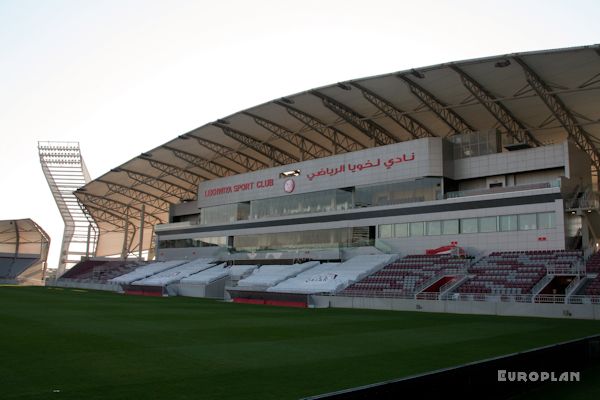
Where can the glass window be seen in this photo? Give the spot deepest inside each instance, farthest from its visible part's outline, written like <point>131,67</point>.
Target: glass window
<point>324,238</point>
<point>193,242</point>
<point>527,222</point>
<point>487,224</point>
<point>401,230</point>
<point>219,214</point>
<point>434,228</point>
<point>323,201</point>
<point>450,227</point>
<point>546,220</point>
<point>385,231</point>
<point>508,223</point>
<point>416,229</point>
<point>468,225</point>
<point>424,189</point>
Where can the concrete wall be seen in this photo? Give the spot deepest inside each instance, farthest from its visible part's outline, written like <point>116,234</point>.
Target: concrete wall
<point>85,285</point>
<point>416,158</point>
<point>510,162</point>
<point>214,290</point>
<point>566,311</point>
<point>477,242</point>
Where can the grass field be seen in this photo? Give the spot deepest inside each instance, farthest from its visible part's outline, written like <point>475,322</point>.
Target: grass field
<point>94,345</point>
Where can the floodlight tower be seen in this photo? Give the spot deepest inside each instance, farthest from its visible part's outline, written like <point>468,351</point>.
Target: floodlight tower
<point>65,172</point>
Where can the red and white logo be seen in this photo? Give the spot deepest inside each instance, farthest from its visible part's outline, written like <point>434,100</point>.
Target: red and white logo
<point>289,186</point>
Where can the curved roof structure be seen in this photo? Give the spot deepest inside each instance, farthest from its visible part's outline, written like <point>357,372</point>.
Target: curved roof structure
<point>23,239</point>
<point>533,98</point>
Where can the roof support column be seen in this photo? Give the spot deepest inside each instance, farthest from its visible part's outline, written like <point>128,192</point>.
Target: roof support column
<point>142,216</point>
<point>125,249</point>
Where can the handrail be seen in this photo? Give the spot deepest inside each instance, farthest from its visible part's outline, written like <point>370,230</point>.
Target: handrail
<point>541,284</point>
<point>494,298</point>
<point>504,189</point>
<point>434,278</point>
<point>448,287</point>
<point>583,299</point>
<point>549,298</point>
<point>383,246</point>
<point>572,285</point>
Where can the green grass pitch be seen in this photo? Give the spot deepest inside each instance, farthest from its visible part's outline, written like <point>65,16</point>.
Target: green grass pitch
<point>66,344</point>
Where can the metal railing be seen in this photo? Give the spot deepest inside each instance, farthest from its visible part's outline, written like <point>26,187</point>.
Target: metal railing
<point>485,297</point>
<point>569,290</point>
<point>441,274</point>
<point>541,284</point>
<point>550,298</point>
<point>504,189</point>
<point>584,299</point>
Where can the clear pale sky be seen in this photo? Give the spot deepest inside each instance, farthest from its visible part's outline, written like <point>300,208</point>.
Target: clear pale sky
<point>124,76</point>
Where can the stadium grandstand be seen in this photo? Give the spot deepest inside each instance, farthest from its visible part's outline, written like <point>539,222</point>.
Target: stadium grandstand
<point>23,252</point>
<point>469,181</point>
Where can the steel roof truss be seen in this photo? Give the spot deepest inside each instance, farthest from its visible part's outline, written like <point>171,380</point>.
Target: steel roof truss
<point>274,154</point>
<point>248,163</point>
<point>338,139</point>
<point>513,126</point>
<point>411,125</point>
<point>140,197</point>
<point>369,128</point>
<point>177,172</point>
<point>159,184</point>
<point>562,113</point>
<point>102,215</point>
<point>306,146</point>
<point>197,161</point>
<point>119,207</point>
<point>449,117</point>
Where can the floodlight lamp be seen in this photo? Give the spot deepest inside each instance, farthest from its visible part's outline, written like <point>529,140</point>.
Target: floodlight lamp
<point>502,64</point>
<point>417,74</point>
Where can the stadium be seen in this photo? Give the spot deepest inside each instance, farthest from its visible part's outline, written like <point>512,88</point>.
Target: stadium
<point>441,215</point>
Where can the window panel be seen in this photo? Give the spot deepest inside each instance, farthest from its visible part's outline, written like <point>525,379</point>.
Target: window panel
<point>416,229</point>
<point>401,230</point>
<point>488,224</point>
<point>468,225</point>
<point>385,231</point>
<point>450,227</point>
<point>546,220</point>
<point>527,222</point>
<point>434,228</point>
<point>508,223</point>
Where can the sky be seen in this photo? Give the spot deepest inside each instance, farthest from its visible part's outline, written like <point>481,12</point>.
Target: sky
<point>124,76</point>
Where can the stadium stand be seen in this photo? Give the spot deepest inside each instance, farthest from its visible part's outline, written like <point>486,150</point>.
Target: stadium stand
<point>404,277</point>
<point>11,267</point>
<point>238,272</point>
<point>99,271</point>
<point>146,271</point>
<point>113,269</point>
<point>321,278</point>
<point>269,275</point>
<point>593,263</point>
<point>593,287</point>
<point>332,277</point>
<point>208,275</point>
<point>177,273</point>
<point>82,270</point>
<point>516,272</point>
